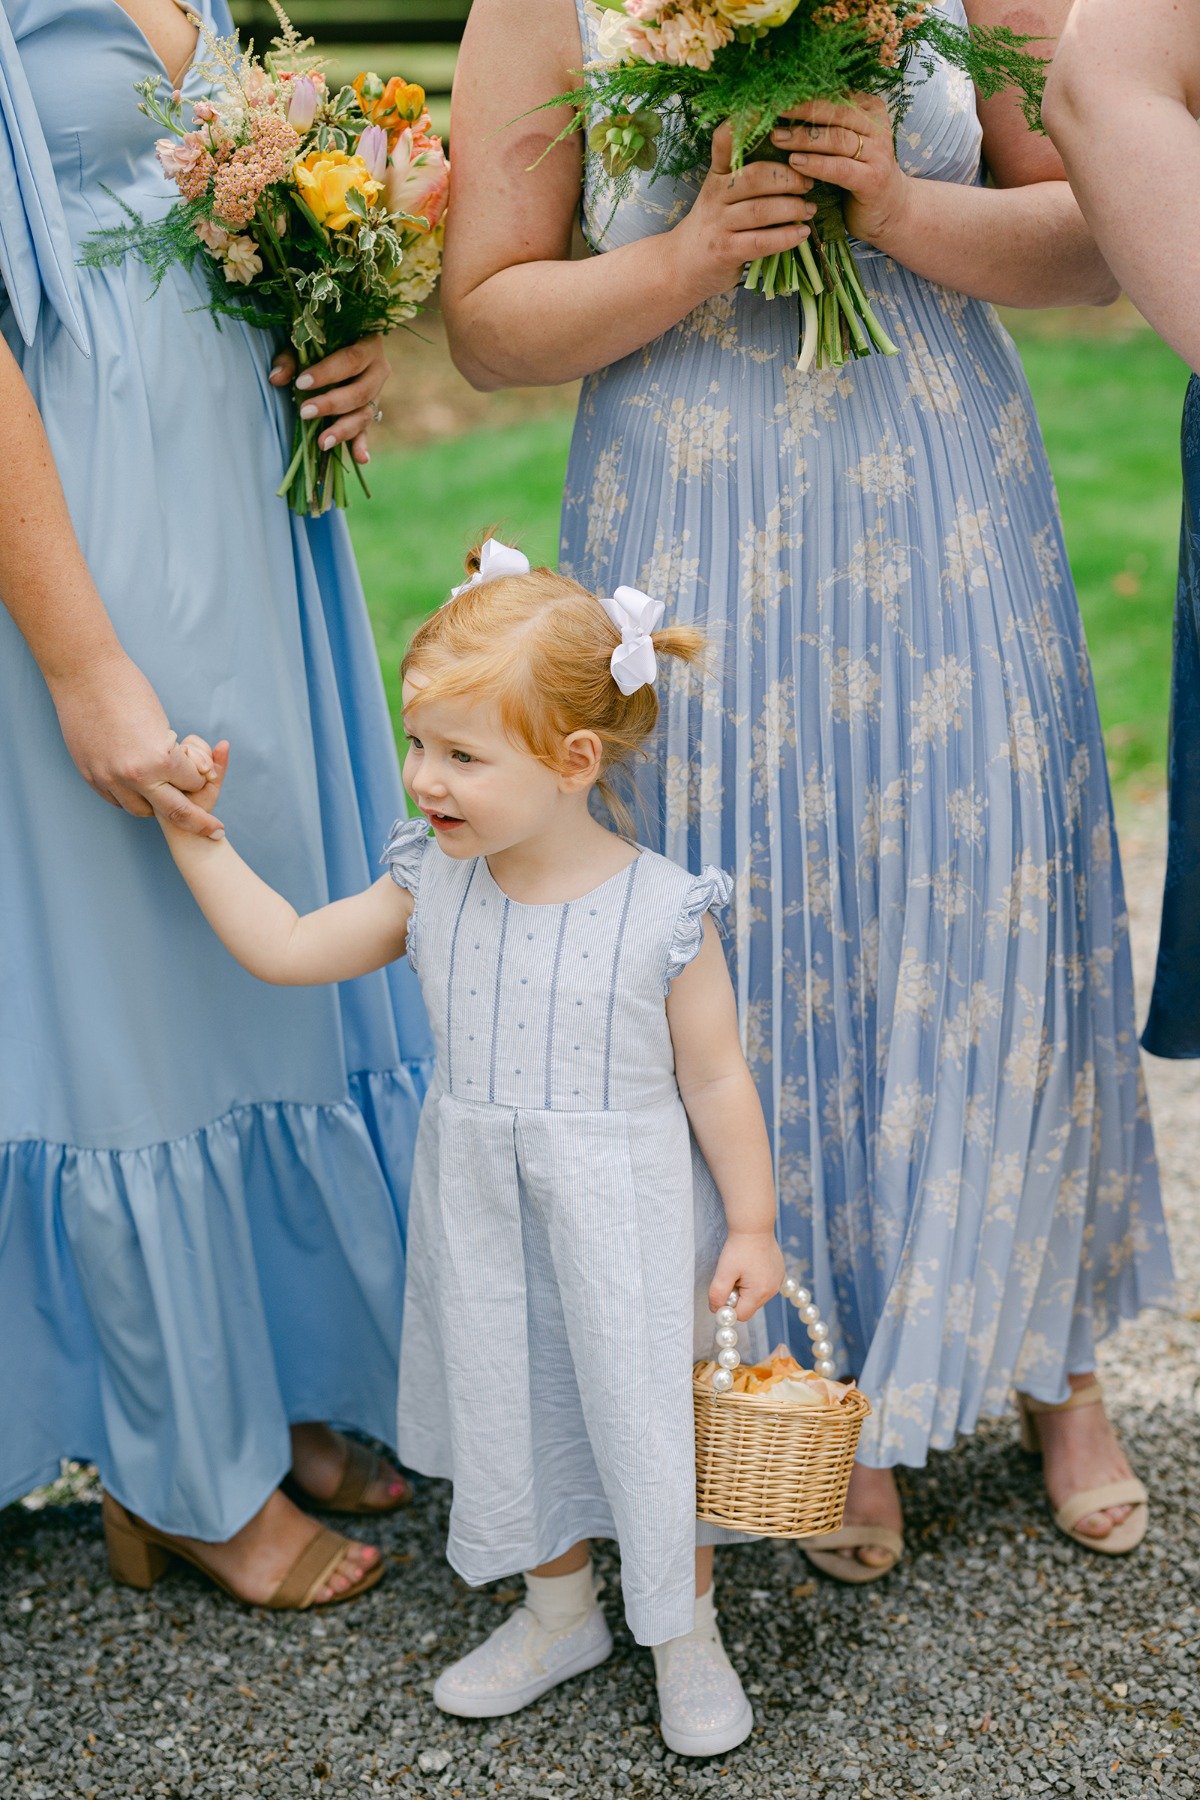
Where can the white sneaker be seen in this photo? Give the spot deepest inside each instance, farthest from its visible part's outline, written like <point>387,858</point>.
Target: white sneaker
<point>519,1663</point>
<point>703,1708</point>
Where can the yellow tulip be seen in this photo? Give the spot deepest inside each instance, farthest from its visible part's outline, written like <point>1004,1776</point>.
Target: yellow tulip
<point>326,177</point>
<point>765,15</point>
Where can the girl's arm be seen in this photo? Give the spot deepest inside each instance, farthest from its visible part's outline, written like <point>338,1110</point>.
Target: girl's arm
<point>723,1107</point>
<point>266,934</point>
<point>115,729</point>
<point>1022,242</point>
<point>518,310</point>
<point>1121,106</point>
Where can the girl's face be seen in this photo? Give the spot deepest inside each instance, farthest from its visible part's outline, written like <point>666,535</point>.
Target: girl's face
<point>481,792</point>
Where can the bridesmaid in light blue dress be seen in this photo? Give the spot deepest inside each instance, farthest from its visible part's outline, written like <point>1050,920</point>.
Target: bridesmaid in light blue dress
<point>203,1181</point>
<point>898,756</point>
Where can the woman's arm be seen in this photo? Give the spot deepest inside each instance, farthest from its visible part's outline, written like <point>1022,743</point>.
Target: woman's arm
<point>266,934</point>
<point>1021,242</point>
<point>1121,106</point>
<point>723,1107</point>
<point>115,729</point>
<point>518,310</point>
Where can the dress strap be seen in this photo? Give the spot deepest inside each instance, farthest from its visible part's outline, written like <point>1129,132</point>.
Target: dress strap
<point>36,254</point>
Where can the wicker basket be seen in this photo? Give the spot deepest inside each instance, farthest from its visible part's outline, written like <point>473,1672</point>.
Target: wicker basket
<point>774,1468</point>
<point>777,1469</point>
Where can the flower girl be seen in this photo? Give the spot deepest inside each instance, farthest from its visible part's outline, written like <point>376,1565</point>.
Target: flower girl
<point>592,1164</point>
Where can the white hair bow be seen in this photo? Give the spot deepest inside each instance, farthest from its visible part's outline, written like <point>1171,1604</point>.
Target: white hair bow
<point>635,616</point>
<point>495,559</point>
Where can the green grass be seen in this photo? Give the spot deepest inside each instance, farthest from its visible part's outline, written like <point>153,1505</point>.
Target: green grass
<point>430,505</point>
<point>1110,411</point>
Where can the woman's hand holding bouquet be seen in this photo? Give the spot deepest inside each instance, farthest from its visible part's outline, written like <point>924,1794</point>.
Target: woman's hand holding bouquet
<point>669,72</point>
<point>318,214</point>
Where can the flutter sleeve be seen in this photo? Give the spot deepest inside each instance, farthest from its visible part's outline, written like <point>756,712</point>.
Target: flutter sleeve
<point>710,892</point>
<point>404,854</point>
<point>36,256</point>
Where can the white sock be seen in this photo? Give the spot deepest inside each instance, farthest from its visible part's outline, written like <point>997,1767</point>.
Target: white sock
<point>559,1603</point>
<point>704,1630</point>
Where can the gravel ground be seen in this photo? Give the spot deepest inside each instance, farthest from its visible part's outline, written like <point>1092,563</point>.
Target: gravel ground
<point>997,1661</point>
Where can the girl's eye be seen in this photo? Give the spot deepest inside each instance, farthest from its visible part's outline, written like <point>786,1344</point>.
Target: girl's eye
<point>461,756</point>
<point>416,743</point>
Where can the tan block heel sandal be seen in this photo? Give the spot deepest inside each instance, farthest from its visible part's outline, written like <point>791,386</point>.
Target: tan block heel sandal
<point>1123,1537</point>
<point>138,1555</point>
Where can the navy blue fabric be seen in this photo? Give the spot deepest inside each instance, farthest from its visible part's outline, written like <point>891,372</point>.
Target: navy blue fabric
<point>1173,1028</point>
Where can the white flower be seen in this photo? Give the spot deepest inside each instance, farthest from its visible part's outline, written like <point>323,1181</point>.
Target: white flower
<point>612,37</point>
<point>242,261</point>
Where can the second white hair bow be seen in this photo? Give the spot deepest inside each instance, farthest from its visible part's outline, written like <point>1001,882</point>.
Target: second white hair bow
<point>495,559</point>
<point>635,615</point>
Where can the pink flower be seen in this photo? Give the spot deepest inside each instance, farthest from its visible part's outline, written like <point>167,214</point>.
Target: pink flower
<point>242,261</point>
<point>303,102</point>
<point>373,148</point>
<point>685,33</point>
<point>258,88</point>
<point>204,112</point>
<point>418,178</point>
<point>215,241</point>
<point>178,155</point>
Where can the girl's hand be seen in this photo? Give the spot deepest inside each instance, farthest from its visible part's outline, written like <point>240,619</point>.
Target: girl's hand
<point>344,388</point>
<point>210,764</point>
<point>760,210</point>
<point>853,147</point>
<point>121,742</point>
<point>752,1263</point>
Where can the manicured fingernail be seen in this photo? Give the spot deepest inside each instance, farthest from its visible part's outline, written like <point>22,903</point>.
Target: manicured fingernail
<point>328,441</point>
<point>365,456</point>
<point>309,410</point>
<point>216,837</point>
<point>304,381</point>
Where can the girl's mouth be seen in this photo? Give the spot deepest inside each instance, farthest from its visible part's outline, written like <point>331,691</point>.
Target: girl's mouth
<point>441,821</point>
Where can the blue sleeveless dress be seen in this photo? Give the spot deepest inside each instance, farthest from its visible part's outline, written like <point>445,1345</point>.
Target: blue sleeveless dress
<point>1173,1027</point>
<point>899,758</point>
<point>203,1180</point>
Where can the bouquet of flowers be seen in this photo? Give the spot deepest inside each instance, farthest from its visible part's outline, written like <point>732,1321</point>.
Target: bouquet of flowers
<point>316,214</point>
<point>671,71</point>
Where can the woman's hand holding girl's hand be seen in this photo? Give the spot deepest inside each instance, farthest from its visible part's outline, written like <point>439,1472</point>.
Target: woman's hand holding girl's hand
<point>752,1263</point>
<point>121,742</point>
<point>853,147</point>
<point>344,387</point>
<point>760,210</point>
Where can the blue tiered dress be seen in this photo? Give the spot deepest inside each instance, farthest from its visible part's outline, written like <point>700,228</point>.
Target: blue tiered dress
<point>563,1230</point>
<point>900,761</point>
<point>203,1180</point>
<point>1173,1028</point>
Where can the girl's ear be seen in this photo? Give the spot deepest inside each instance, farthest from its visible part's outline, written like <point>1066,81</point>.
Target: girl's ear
<point>582,759</point>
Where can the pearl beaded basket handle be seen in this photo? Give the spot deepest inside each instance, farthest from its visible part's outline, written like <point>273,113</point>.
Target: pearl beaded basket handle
<point>726,1336</point>
<point>765,1466</point>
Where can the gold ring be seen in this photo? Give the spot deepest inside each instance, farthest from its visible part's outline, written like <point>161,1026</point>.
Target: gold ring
<point>861,141</point>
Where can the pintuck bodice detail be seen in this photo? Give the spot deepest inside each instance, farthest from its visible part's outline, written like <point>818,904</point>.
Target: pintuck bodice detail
<point>557,1008</point>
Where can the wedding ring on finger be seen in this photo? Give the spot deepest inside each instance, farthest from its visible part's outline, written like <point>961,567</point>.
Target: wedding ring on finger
<point>861,141</point>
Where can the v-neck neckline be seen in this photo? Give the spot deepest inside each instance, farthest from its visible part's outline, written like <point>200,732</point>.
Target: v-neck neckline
<point>185,7</point>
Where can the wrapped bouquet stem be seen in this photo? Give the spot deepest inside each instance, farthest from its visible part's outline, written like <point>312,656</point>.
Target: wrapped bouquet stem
<point>669,72</point>
<point>316,215</point>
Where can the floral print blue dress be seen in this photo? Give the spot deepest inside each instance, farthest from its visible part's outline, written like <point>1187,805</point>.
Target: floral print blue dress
<point>899,757</point>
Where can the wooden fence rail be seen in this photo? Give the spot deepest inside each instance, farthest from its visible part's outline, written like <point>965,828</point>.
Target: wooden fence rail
<point>360,21</point>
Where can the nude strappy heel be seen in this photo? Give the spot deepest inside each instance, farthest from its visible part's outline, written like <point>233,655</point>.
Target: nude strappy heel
<point>1123,1537</point>
<point>138,1555</point>
<point>823,1552</point>
<point>361,1468</point>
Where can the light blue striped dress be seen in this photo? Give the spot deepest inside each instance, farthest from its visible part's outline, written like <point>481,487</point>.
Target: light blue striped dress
<point>562,1232</point>
<point>900,759</point>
